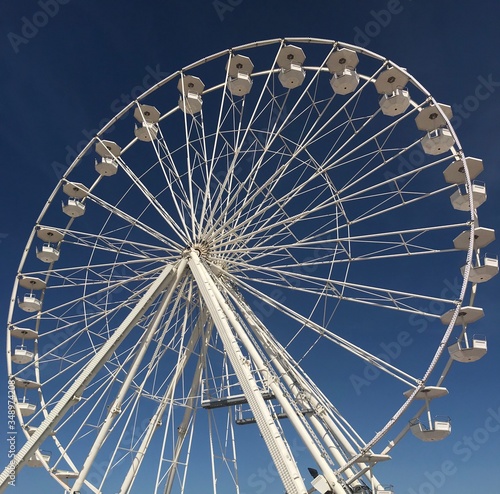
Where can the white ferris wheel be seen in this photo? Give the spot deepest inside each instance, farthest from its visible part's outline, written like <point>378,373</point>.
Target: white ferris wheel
<point>232,250</point>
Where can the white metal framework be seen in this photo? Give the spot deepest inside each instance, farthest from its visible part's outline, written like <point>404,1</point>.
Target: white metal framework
<point>233,251</point>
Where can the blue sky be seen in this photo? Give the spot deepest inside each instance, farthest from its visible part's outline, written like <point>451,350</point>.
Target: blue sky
<point>84,63</point>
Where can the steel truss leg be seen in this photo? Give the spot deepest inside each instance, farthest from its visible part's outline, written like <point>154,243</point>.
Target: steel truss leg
<point>163,281</point>
<point>278,448</point>
<point>300,424</point>
<point>115,408</point>
<point>303,392</point>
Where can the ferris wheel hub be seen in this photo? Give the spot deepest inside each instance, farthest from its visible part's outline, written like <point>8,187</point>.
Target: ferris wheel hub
<point>202,248</point>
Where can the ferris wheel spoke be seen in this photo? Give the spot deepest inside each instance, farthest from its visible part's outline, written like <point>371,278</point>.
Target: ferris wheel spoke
<point>152,200</point>
<point>173,178</point>
<point>404,177</point>
<point>285,219</point>
<point>343,109</point>
<point>113,275</point>
<point>341,342</point>
<point>331,288</point>
<point>212,160</point>
<point>263,206</point>
<point>324,257</point>
<point>240,185</point>
<point>189,167</point>
<point>384,206</point>
<point>241,136</point>
<point>166,162</point>
<point>274,132</point>
<point>411,235</point>
<point>299,148</point>
<point>59,312</point>
<point>255,216</point>
<point>221,189</point>
<point>114,210</point>
<point>288,119</point>
<point>123,246</point>
<point>118,246</point>
<point>234,207</point>
<point>389,243</point>
<point>363,174</point>
<point>294,191</point>
<point>260,232</point>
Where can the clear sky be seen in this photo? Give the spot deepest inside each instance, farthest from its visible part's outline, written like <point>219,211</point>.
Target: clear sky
<point>85,61</point>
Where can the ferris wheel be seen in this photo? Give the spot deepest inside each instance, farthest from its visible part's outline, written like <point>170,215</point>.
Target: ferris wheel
<point>232,252</point>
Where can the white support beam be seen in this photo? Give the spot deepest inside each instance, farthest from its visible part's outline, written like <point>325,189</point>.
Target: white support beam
<point>299,387</point>
<point>278,449</point>
<point>164,279</point>
<point>115,408</point>
<point>300,424</point>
